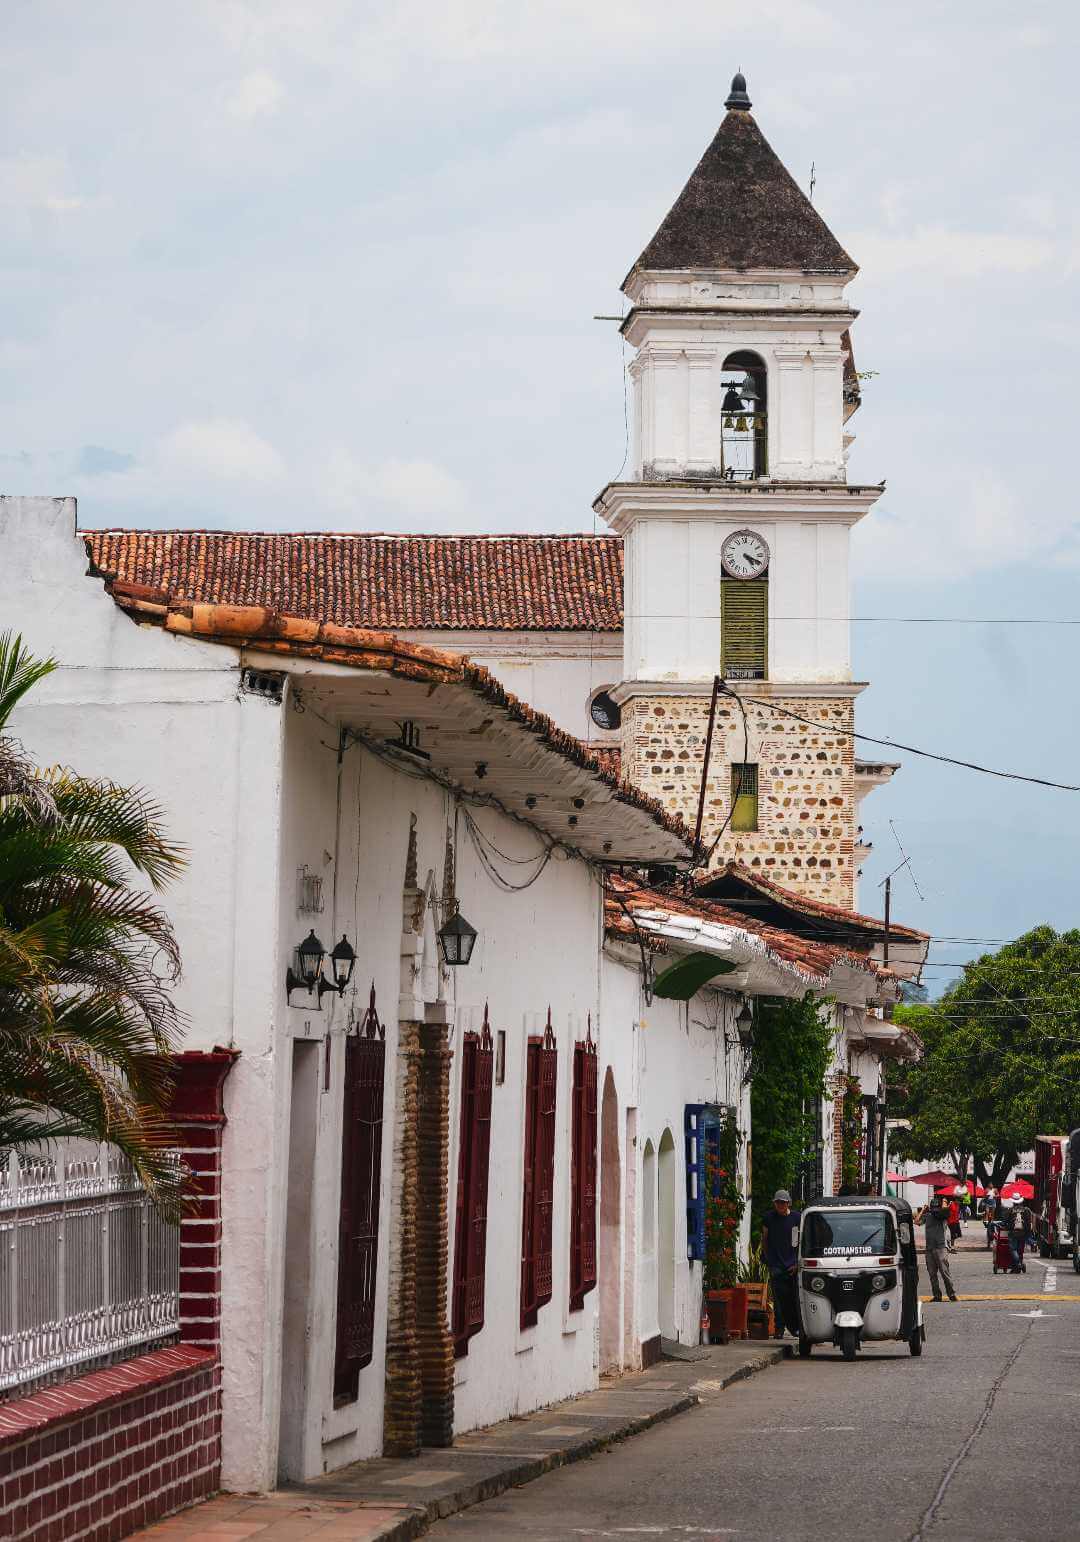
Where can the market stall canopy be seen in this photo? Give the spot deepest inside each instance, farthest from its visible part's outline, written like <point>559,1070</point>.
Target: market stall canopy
<point>1018,1190</point>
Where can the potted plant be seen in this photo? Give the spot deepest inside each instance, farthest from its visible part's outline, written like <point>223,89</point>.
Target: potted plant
<point>754,1276</point>
<point>724,1205</point>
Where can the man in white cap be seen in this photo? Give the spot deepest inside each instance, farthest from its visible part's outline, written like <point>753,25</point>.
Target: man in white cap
<point>780,1250</point>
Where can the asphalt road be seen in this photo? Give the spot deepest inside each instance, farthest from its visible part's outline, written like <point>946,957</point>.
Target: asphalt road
<point>977,1439</point>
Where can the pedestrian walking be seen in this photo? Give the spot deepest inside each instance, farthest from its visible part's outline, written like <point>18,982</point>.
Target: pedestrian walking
<point>933,1218</point>
<point>780,1248</point>
<point>954,1224</point>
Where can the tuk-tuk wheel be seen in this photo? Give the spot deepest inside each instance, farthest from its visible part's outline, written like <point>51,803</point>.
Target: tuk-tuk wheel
<point>849,1342</point>
<point>915,1342</point>
<point>805,1346</point>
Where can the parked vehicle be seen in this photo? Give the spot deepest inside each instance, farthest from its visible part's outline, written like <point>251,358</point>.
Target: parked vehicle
<point>1053,1223</point>
<point>1070,1189</point>
<point>858,1275</point>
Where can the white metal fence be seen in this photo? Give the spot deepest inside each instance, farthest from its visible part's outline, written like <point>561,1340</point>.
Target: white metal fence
<point>89,1270</point>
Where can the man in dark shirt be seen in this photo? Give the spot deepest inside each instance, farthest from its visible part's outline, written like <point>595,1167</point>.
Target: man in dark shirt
<point>933,1218</point>
<point>780,1249</point>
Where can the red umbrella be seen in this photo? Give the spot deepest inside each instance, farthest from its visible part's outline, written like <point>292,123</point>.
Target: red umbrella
<point>951,1188</point>
<point>897,1178</point>
<point>933,1180</point>
<point>1018,1190</point>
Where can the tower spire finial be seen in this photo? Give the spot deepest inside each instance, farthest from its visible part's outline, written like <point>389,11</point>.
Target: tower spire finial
<point>737,97</point>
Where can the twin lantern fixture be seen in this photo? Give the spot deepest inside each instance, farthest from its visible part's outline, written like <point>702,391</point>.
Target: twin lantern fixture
<point>456,941</point>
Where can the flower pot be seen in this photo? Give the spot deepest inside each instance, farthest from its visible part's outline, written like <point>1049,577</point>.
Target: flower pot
<point>716,1309</point>
<point>735,1297</point>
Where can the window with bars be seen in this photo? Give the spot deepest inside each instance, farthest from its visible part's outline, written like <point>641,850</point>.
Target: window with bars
<point>539,1172</point>
<point>810,1182</point>
<point>583,1175</point>
<point>744,796</point>
<point>744,628</point>
<point>358,1228</point>
<point>470,1233</point>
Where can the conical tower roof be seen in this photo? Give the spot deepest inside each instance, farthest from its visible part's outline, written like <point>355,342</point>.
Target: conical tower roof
<point>742,209</point>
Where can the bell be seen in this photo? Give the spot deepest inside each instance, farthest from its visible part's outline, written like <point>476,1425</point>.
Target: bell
<point>729,422</point>
<point>740,425</point>
<point>748,391</point>
<point>732,401</point>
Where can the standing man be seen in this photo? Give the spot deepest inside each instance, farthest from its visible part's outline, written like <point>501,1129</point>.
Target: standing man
<point>1019,1225</point>
<point>780,1249</point>
<point>932,1217</point>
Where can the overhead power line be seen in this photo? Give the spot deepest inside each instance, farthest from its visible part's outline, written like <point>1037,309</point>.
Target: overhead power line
<point>908,749</point>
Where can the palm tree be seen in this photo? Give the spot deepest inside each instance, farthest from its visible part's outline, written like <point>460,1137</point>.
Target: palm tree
<point>87,956</point>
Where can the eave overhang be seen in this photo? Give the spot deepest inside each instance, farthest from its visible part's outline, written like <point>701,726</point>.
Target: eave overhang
<point>623,503</point>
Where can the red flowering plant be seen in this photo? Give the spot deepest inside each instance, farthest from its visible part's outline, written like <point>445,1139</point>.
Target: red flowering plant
<point>724,1206</point>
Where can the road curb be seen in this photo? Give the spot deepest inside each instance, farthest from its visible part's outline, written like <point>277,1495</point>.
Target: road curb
<point>528,1469</point>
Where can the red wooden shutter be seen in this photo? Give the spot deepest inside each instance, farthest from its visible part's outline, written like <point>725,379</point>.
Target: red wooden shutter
<point>358,1229</point>
<point>583,1177</point>
<point>539,1171</point>
<point>528,1237</point>
<point>470,1248</point>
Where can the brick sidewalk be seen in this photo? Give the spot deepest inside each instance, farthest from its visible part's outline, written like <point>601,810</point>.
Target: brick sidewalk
<point>392,1499</point>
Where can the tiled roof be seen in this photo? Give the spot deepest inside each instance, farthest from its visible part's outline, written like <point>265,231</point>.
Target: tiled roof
<point>815,959</point>
<point>866,930</point>
<point>362,648</point>
<point>742,209</point>
<point>455,582</point>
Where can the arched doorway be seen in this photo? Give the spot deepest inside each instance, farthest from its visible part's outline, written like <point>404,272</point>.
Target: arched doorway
<point>665,1245</point>
<point>610,1260</point>
<point>649,1323</point>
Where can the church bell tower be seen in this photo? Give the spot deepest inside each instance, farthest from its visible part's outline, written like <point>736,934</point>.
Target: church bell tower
<point>737,519</point>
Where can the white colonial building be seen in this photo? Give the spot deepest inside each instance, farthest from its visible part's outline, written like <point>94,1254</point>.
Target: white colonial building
<point>361,738</point>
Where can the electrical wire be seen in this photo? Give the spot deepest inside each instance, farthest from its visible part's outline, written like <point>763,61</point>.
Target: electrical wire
<point>910,749</point>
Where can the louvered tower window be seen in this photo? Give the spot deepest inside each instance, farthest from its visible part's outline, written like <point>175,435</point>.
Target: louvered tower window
<point>744,796</point>
<point>744,628</point>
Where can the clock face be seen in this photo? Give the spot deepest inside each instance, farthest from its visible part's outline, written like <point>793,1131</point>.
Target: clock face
<point>744,554</point>
<point>604,711</point>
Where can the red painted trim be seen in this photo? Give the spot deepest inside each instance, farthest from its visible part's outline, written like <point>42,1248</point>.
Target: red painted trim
<point>30,1416</point>
<point>200,1077</point>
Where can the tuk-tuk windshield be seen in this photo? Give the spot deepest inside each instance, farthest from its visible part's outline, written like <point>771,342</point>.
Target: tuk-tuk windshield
<point>826,1233</point>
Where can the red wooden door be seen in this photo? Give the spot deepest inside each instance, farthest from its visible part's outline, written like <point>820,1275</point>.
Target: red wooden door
<point>358,1231</point>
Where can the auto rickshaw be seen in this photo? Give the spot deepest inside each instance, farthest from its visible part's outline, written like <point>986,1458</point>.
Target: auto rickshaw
<point>858,1274</point>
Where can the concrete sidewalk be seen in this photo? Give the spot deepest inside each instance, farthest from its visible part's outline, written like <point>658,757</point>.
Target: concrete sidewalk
<point>384,1498</point>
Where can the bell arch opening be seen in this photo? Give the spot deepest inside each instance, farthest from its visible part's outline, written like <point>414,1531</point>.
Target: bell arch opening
<point>744,416</point>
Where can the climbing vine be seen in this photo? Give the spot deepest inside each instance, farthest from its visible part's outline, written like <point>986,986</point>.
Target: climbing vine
<point>851,1132</point>
<point>792,1055</point>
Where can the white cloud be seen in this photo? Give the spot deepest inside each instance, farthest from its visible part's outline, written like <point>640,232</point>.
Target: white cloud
<point>952,253</point>
<point>222,448</point>
<point>418,488</point>
<point>257,94</point>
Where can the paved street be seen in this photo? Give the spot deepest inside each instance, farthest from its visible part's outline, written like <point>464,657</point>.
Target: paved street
<point>973,1440</point>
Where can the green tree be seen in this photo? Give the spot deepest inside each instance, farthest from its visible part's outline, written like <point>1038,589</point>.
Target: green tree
<point>87,957</point>
<point>1002,1057</point>
<point>792,1054</point>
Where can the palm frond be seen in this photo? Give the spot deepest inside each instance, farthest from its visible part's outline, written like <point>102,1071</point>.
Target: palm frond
<point>20,671</point>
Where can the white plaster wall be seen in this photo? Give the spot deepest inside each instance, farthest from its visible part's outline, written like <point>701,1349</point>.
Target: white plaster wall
<point>678,380</point>
<point>673,577</point>
<point>555,672</point>
<point>664,1056</point>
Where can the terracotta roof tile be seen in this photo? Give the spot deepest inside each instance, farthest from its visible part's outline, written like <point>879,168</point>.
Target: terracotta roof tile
<point>850,921</point>
<point>364,648</point>
<point>455,582</point>
<point>813,958</point>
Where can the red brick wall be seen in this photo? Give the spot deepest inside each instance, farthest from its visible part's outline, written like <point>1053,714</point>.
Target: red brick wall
<point>96,1458</point>
<point>99,1457</point>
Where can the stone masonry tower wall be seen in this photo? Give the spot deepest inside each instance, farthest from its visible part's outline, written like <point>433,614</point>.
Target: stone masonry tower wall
<point>806,790</point>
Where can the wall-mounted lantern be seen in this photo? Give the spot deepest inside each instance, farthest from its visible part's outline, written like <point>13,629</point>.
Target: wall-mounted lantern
<point>744,1026</point>
<point>456,939</point>
<point>308,973</point>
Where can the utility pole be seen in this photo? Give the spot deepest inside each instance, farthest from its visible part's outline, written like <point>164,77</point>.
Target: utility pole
<point>888,907</point>
<point>705,769</point>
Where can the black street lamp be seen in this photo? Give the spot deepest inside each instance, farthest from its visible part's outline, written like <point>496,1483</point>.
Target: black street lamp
<point>308,973</point>
<point>456,939</point>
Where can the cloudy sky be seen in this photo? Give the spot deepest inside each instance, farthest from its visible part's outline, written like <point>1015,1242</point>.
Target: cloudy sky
<point>324,263</point>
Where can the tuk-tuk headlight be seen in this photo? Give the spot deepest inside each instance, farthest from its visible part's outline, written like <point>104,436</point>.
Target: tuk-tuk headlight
<point>817,1283</point>
<point>878,1282</point>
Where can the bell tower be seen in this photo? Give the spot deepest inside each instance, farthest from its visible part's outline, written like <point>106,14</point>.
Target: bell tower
<point>737,519</point>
